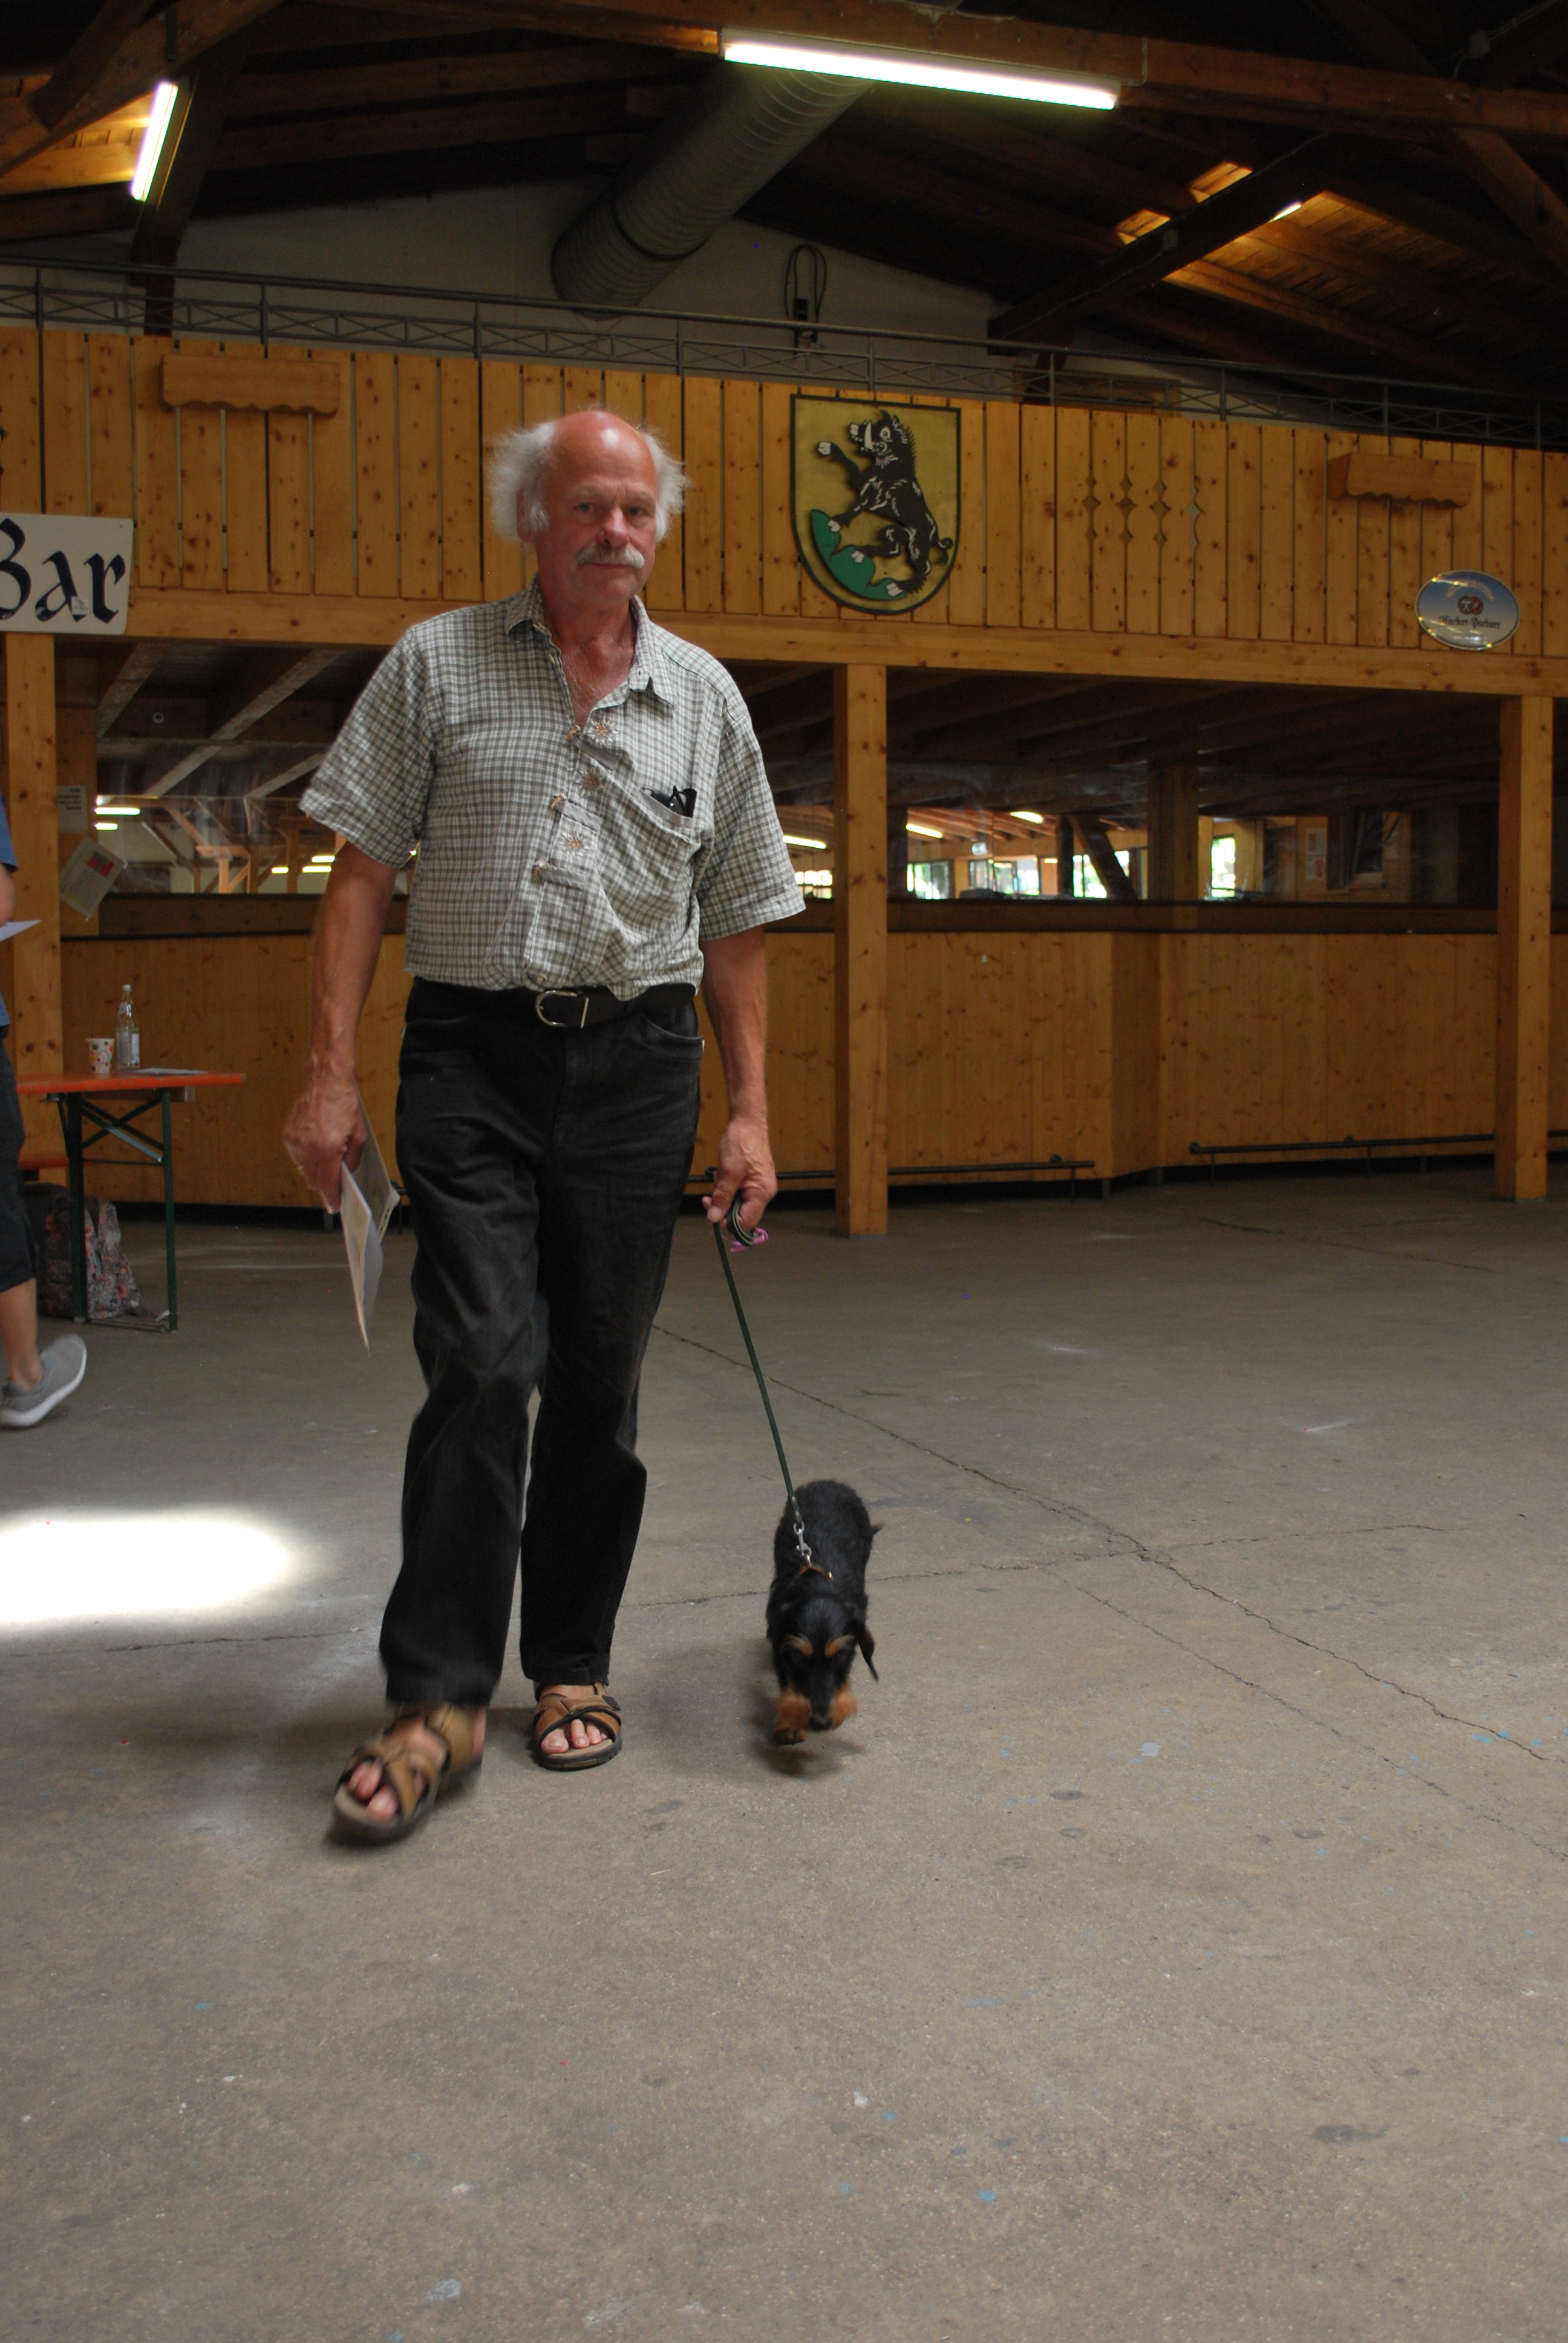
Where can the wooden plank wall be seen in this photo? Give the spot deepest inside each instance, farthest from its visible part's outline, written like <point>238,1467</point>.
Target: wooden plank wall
<point>1123,1048</point>
<point>1073,518</point>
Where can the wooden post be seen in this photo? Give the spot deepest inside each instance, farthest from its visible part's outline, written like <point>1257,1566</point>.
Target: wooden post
<point>1523,948</point>
<point>861,948</point>
<point>1173,875</point>
<point>34,1002</point>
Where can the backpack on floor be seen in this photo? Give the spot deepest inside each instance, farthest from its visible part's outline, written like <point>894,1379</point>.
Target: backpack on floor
<point>112,1289</point>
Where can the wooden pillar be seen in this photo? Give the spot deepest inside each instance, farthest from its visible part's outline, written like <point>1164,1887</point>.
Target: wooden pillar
<point>35,1035</point>
<point>861,948</point>
<point>1523,948</point>
<point>1173,873</point>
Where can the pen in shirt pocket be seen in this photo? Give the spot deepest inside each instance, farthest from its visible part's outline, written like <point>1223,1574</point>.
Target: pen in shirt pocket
<point>683,801</point>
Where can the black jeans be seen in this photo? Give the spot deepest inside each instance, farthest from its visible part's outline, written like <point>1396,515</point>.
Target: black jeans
<point>545,1170</point>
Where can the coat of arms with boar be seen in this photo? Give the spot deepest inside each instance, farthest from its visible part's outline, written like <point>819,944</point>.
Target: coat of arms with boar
<point>872,529</point>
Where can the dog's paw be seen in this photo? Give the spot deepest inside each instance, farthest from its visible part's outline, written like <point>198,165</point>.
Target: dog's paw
<point>792,1718</point>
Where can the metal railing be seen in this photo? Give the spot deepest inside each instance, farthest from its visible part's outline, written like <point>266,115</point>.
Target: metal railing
<point>1072,1164</point>
<point>232,305</point>
<point>1419,1147</point>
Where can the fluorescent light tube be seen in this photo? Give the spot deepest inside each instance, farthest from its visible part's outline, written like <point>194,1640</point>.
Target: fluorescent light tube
<point>1018,814</point>
<point>913,66</point>
<point>922,830</point>
<point>813,845</point>
<point>150,153</point>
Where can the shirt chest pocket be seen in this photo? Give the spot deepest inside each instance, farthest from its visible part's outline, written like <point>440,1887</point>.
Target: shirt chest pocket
<point>645,848</point>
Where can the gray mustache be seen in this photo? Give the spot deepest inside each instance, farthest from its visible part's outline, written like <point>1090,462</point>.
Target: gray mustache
<point>629,557</point>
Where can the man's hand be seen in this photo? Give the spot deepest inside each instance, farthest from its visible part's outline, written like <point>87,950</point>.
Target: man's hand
<point>735,987</point>
<point>325,1130</point>
<point>745,1168</point>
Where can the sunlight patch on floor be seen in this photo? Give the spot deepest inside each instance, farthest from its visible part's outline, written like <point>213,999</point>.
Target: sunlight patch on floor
<point>113,1565</point>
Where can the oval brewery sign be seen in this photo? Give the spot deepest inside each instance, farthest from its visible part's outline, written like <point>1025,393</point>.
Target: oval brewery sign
<point>1467,611</point>
<point>875,496</point>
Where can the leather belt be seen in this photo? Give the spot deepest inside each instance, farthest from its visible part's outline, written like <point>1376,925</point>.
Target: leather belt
<point>570,1008</point>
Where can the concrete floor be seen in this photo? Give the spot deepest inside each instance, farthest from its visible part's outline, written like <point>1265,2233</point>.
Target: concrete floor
<point>1171,1952</point>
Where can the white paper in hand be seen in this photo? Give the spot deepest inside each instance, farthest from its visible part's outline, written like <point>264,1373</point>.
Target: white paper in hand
<point>368,1202</point>
<point>372,1181</point>
<point>362,1242</point>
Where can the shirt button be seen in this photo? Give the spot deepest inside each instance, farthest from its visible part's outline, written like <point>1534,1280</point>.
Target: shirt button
<point>556,804</point>
<point>573,845</point>
<point>590,781</point>
<point>539,869</point>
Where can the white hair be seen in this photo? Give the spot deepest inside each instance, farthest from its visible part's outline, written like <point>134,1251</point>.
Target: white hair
<point>519,461</point>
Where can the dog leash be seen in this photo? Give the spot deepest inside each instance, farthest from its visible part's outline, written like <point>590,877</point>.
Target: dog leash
<point>749,1237</point>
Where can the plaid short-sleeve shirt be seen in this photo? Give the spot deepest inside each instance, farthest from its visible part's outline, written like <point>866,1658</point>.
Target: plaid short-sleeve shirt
<point>550,852</point>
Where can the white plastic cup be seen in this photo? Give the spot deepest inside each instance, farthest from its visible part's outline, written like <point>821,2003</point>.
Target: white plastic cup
<point>101,1053</point>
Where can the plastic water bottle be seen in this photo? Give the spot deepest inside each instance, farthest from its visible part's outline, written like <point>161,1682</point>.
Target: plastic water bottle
<point>127,1035</point>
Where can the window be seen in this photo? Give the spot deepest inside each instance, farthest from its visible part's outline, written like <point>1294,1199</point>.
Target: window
<point>933,883</point>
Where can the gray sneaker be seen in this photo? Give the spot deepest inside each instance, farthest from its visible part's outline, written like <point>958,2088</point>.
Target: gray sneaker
<point>65,1364</point>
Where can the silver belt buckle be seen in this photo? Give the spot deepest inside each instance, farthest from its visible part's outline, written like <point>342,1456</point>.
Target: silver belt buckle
<point>561,993</point>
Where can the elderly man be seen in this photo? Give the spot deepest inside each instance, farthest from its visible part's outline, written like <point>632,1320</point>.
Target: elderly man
<point>595,837</point>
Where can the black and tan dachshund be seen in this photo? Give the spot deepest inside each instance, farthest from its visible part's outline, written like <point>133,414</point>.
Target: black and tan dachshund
<point>817,1609</point>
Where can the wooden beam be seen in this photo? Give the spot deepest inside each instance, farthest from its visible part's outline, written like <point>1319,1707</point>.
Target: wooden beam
<point>497,122</point>
<point>106,161</point>
<point>424,80</point>
<point>270,678</point>
<point>1236,209</point>
<point>860,949</point>
<point>1435,360</point>
<point>1159,74</point>
<point>38,1038</point>
<point>1092,836</point>
<point>88,57</point>
<point>1523,948</point>
<point>71,211</point>
<point>1173,807</point>
<point>1515,186</point>
<point>157,52</point>
<point>579,21</point>
<point>1411,289</point>
<point>1518,190</point>
<point>121,676</point>
<point>853,165</point>
<point>182,615</point>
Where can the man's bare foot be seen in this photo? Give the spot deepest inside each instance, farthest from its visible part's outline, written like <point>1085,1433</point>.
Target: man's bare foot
<point>381,1804</point>
<point>576,1734</point>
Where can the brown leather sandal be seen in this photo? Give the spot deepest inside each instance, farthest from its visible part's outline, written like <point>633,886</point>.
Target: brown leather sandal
<point>554,1709</point>
<point>415,1776</point>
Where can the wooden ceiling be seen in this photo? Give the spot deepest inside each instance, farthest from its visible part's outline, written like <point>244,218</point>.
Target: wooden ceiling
<point>1424,142</point>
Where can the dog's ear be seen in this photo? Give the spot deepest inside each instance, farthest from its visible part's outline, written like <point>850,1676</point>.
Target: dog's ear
<point>877,1528</point>
<point>868,1642</point>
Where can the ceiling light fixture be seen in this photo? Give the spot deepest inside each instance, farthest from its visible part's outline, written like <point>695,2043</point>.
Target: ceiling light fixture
<point>1289,209</point>
<point>150,153</point>
<point>1018,814</point>
<point>812,845</point>
<point>913,66</point>
<point>922,830</point>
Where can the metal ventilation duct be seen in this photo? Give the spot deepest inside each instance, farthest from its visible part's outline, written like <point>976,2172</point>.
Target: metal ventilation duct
<point>743,125</point>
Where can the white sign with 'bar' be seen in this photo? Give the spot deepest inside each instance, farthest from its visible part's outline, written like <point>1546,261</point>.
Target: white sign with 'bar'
<point>63,574</point>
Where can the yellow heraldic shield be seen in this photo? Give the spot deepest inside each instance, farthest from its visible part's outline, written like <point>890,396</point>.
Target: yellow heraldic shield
<point>875,496</point>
